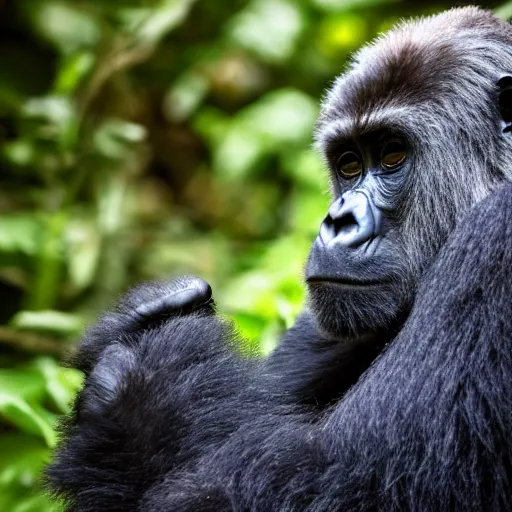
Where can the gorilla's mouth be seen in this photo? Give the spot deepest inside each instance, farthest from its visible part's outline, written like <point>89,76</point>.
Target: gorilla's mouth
<point>345,306</point>
<point>347,282</point>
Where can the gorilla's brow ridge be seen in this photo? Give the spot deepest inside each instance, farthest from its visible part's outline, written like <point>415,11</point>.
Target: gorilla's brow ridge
<point>334,132</point>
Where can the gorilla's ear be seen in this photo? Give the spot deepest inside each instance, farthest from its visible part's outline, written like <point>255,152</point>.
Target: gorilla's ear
<point>504,85</point>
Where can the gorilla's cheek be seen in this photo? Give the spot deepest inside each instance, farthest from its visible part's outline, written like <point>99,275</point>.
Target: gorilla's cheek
<point>345,310</point>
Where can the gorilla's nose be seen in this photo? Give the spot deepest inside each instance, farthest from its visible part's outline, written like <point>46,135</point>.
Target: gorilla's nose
<point>351,220</point>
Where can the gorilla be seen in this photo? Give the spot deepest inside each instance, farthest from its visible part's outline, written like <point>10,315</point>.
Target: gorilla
<point>393,390</point>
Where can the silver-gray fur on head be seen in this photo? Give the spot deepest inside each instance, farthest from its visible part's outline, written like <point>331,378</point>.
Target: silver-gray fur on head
<point>434,78</point>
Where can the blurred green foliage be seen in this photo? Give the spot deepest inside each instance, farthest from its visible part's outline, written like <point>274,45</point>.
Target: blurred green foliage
<point>145,139</point>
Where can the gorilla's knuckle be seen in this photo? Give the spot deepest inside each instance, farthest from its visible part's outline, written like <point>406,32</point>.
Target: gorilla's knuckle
<point>105,382</point>
<point>161,299</point>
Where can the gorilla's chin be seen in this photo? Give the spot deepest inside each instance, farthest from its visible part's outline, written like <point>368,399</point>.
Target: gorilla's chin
<point>350,311</point>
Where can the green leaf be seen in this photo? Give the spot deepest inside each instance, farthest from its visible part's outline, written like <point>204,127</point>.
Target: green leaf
<point>74,68</point>
<point>284,116</point>
<point>21,459</point>
<point>67,27</point>
<point>348,5</point>
<point>19,152</point>
<point>185,96</point>
<point>113,137</point>
<point>269,28</point>
<point>505,11</point>
<point>61,383</point>
<point>27,498</point>
<point>238,153</point>
<point>251,293</point>
<point>342,33</point>
<point>55,109</point>
<point>83,251</point>
<point>212,123</point>
<point>19,232</point>
<point>28,418</point>
<point>53,118</point>
<point>39,503</point>
<point>279,119</point>
<point>150,25</point>
<point>307,211</point>
<point>25,384</point>
<point>45,284</point>
<point>51,321</point>
<point>306,168</point>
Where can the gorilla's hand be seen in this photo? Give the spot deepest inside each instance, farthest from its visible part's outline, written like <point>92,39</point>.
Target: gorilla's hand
<point>146,306</point>
<point>151,324</point>
<point>161,390</point>
<point>153,302</point>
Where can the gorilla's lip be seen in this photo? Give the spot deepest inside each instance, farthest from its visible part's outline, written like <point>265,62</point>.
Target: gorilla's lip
<point>348,281</point>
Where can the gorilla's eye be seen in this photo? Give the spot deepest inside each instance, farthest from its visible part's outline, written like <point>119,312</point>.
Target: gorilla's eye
<point>394,154</point>
<point>349,165</point>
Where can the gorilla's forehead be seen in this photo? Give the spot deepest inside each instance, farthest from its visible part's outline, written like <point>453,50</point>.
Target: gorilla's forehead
<point>450,59</point>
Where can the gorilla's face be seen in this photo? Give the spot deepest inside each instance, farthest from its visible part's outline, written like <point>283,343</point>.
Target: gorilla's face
<point>359,275</point>
<point>413,138</point>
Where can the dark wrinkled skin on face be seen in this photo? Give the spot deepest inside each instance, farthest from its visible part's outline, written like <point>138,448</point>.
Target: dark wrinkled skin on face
<point>393,389</point>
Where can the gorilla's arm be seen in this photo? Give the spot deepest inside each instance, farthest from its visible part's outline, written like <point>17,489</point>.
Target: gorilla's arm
<point>427,427</point>
<point>162,384</point>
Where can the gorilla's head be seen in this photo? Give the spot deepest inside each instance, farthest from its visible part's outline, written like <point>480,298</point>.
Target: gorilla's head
<point>414,134</point>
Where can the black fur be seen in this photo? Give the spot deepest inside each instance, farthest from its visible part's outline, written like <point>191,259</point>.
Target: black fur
<point>414,414</point>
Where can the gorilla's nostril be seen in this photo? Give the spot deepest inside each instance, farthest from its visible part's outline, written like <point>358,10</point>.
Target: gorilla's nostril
<point>347,223</point>
<point>351,221</point>
<point>327,230</point>
<point>344,228</point>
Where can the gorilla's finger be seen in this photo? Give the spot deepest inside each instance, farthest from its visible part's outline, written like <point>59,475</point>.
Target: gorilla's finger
<point>195,294</point>
<point>161,299</point>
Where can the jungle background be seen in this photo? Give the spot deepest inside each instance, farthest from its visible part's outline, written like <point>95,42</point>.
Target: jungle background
<point>147,139</point>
